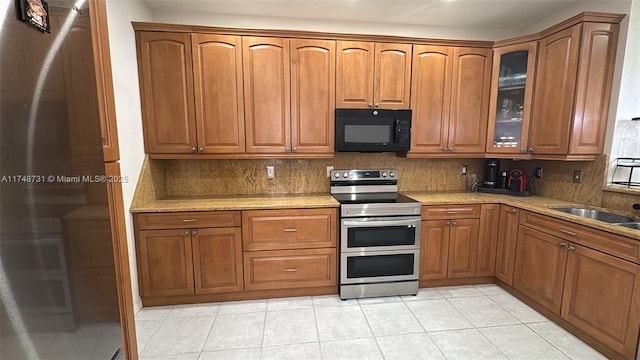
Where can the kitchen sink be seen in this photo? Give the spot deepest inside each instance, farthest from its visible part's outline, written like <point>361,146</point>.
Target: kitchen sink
<point>632,225</point>
<point>596,215</point>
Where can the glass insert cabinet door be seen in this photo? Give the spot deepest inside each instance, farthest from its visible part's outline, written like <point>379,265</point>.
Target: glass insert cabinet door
<point>511,96</point>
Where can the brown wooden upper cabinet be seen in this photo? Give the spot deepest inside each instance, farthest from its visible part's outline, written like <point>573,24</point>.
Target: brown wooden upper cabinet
<point>373,75</point>
<point>450,98</point>
<point>511,98</point>
<point>289,95</point>
<point>166,86</point>
<point>573,87</point>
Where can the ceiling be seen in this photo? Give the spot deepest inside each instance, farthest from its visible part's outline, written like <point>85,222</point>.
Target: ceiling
<point>515,15</point>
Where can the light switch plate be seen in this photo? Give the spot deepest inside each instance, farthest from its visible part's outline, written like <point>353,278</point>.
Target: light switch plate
<point>577,176</point>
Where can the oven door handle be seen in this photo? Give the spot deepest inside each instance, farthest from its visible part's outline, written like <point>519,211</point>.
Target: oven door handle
<point>408,223</point>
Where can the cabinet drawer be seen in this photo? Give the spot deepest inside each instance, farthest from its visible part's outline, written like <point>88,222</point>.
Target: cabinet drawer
<point>611,244</point>
<point>289,269</point>
<point>184,220</point>
<point>89,243</point>
<point>288,229</point>
<point>450,212</point>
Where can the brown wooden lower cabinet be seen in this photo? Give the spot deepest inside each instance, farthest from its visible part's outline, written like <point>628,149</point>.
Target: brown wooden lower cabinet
<point>463,248</point>
<point>601,297</point>
<point>487,239</point>
<point>539,267</point>
<point>165,262</point>
<point>434,249</point>
<point>506,247</point>
<point>217,260</point>
<point>283,269</point>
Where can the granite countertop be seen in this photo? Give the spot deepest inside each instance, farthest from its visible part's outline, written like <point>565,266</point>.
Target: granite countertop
<point>538,204</point>
<point>238,202</point>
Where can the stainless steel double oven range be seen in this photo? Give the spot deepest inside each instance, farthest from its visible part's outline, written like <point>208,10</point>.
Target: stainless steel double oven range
<point>379,234</point>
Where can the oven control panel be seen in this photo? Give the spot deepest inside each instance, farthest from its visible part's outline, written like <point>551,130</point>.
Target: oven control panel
<point>351,175</point>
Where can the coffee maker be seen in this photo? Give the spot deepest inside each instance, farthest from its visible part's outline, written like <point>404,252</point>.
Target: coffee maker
<point>491,173</point>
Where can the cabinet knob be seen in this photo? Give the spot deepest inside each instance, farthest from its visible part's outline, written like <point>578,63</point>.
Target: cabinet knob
<point>562,244</point>
<point>377,105</point>
<point>193,149</point>
<point>194,233</point>
<point>295,149</point>
<point>200,149</point>
<point>448,223</point>
<point>287,149</point>
<point>445,149</point>
<point>370,105</point>
<point>454,223</point>
<point>513,211</point>
<point>530,150</point>
<point>523,150</point>
<point>570,248</point>
<point>186,233</point>
<point>450,149</point>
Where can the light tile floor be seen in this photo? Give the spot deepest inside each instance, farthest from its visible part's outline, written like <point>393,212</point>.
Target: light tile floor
<point>463,322</point>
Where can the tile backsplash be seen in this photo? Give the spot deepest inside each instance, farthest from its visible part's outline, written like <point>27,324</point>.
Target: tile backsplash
<point>305,176</point>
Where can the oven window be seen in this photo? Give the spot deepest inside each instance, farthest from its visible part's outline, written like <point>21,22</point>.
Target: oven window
<point>379,265</point>
<point>380,236</point>
<point>367,133</point>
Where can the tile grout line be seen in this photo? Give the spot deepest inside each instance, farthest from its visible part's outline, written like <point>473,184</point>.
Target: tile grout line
<point>375,339</point>
<point>215,318</point>
<point>140,351</point>
<point>550,343</point>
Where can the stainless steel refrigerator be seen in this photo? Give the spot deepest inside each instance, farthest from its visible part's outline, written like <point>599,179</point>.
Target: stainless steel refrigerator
<point>57,272</point>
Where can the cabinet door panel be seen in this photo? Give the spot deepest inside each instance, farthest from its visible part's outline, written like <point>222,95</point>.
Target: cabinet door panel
<point>267,94</point>
<point>430,98</point>
<point>217,71</point>
<point>463,248</point>
<point>392,76</point>
<point>313,84</point>
<point>554,93</point>
<point>593,88</point>
<point>601,298</point>
<point>217,260</point>
<point>165,262</point>
<point>487,239</point>
<point>539,267</point>
<point>470,100</point>
<point>434,249</point>
<point>354,74</point>
<point>166,83</point>
<point>507,238</point>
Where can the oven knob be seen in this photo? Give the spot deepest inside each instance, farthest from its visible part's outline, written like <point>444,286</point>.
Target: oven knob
<point>345,175</point>
<point>336,175</point>
<point>384,174</point>
<point>392,174</point>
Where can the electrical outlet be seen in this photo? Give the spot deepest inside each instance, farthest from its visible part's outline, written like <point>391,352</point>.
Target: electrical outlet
<point>463,169</point>
<point>329,169</point>
<point>271,173</point>
<point>537,173</point>
<point>577,176</point>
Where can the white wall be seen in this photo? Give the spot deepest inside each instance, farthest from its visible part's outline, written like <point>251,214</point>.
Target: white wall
<point>120,14</point>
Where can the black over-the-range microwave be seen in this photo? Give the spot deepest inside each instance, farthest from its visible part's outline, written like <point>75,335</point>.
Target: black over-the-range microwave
<point>373,130</point>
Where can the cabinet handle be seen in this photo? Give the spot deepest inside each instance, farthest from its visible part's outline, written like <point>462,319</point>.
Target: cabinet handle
<point>370,105</point>
<point>291,270</point>
<point>194,233</point>
<point>513,211</point>
<point>567,232</point>
<point>186,233</point>
<point>200,149</point>
<point>450,149</point>
<point>290,230</point>
<point>107,244</point>
<point>193,149</point>
<point>530,150</point>
<point>562,244</point>
<point>189,220</point>
<point>448,223</point>
<point>570,248</point>
<point>452,212</point>
<point>377,105</point>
